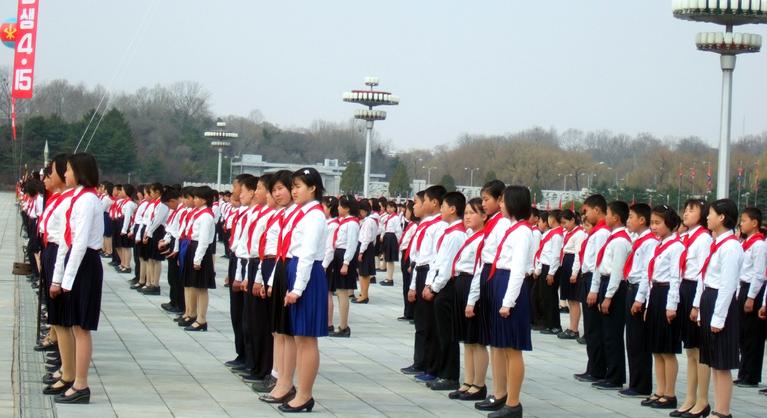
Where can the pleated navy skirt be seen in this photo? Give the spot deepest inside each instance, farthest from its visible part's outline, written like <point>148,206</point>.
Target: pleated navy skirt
<point>153,251</point>
<point>309,315</point>
<point>205,277</point>
<point>690,329</point>
<point>368,265</point>
<point>719,351</point>
<point>117,225</point>
<point>467,328</point>
<point>48,262</point>
<point>567,290</point>
<point>483,309</point>
<point>183,249</point>
<point>280,314</point>
<point>339,281</point>
<point>107,226</point>
<point>390,247</point>
<point>664,338</point>
<point>82,307</point>
<point>515,330</point>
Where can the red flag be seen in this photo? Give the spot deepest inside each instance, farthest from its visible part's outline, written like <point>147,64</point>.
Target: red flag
<point>24,58</point>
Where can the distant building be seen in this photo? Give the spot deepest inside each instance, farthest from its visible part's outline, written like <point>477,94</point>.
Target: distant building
<point>330,170</point>
<point>553,199</point>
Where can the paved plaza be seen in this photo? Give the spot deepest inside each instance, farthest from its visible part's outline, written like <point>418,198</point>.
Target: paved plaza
<point>146,366</point>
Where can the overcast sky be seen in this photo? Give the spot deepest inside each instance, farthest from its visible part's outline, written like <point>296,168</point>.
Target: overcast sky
<point>489,67</point>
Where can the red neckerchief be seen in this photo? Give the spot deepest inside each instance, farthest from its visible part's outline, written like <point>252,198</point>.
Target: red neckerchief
<point>235,219</point>
<point>457,227</point>
<point>341,223</point>
<point>276,217</point>
<point>568,237</point>
<point>620,234</point>
<point>263,210</point>
<point>54,203</point>
<point>406,257</point>
<point>752,240</point>
<point>465,244</point>
<point>688,241</point>
<point>630,260</point>
<point>135,213</point>
<point>489,226</point>
<point>289,236</point>
<point>500,245</point>
<point>51,203</point>
<point>598,227</point>
<point>714,249</point>
<point>199,213</point>
<point>423,227</point>
<point>175,212</point>
<point>242,219</point>
<point>407,228</point>
<point>156,203</point>
<point>546,239</point>
<point>68,230</point>
<point>658,251</point>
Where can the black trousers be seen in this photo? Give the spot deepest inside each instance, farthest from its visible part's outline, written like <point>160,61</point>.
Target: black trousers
<point>613,323</point>
<point>136,261</point>
<point>176,286</point>
<point>592,325</point>
<point>424,347</point>
<point>406,278</point>
<point>537,309</point>
<point>255,326</point>
<point>637,349</point>
<point>752,334</point>
<point>446,325</point>
<point>236,305</point>
<point>550,299</point>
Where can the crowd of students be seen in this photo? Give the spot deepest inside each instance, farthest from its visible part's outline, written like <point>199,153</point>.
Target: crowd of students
<point>485,272</point>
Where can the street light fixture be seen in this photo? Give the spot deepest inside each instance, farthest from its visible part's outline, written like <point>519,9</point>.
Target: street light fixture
<point>471,174</point>
<point>370,98</point>
<point>728,45</point>
<point>428,174</point>
<point>219,139</point>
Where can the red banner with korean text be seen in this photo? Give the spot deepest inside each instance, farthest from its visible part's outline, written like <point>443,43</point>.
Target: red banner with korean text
<point>26,41</point>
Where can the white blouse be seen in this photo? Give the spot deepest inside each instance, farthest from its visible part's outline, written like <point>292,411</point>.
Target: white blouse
<point>723,273</point>
<point>666,270</point>
<point>515,257</point>
<point>550,253</point>
<point>332,225</point>
<point>155,218</point>
<point>203,231</point>
<point>573,246</point>
<point>57,221</point>
<point>393,225</point>
<point>427,254</point>
<point>492,241</point>
<point>468,256</point>
<point>368,232</point>
<point>407,235</point>
<point>87,228</point>
<point>638,271</point>
<point>754,267</point>
<point>128,209</point>
<point>348,233</point>
<point>307,243</point>
<point>697,253</point>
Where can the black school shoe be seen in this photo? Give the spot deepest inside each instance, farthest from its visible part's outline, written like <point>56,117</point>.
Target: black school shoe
<point>568,334</point>
<point>444,384</point>
<point>585,377</point>
<point>551,331</point>
<point>386,283</point>
<point>342,333</point>
<point>411,370</point>
<point>508,412</point>
<point>266,385</point>
<point>603,385</point>
<point>490,404</point>
<point>665,403</point>
<point>81,396</point>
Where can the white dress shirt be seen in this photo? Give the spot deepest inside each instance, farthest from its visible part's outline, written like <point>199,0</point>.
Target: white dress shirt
<point>271,236</point>
<point>551,252</point>
<point>440,273</point>
<point>407,235</point>
<point>573,246</point>
<point>467,258</point>
<point>515,257</point>
<point>754,267</point>
<point>697,253</point>
<point>348,237</point>
<point>638,271</point>
<point>240,243</point>
<point>613,261</point>
<point>155,218</point>
<point>128,209</point>
<point>368,232</point>
<point>286,215</point>
<point>723,273</point>
<point>666,270</point>
<point>593,244</point>
<point>57,221</point>
<point>87,229</point>
<point>393,226</point>
<point>537,236</point>
<point>307,243</point>
<point>427,253</point>
<point>203,231</point>
<point>332,225</point>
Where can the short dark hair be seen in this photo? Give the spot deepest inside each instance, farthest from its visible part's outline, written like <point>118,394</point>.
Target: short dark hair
<point>421,194</point>
<point>669,216</point>
<point>60,161</point>
<point>206,193</point>
<point>156,187</point>
<point>456,200</point>
<point>250,182</point>
<point>728,209</point>
<point>284,177</point>
<point>534,212</point>
<point>476,205</point>
<point>642,210</point>
<point>242,177</point>
<point>409,206</point>
<point>187,191</point>
<point>621,209</point>
<point>566,214</point>
<point>391,204</point>
<point>364,206</point>
<point>85,168</point>
<point>170,194</point>
<point>349,202</point>
<point>494,188</point>
<point>755,214</point>
<point>517,202</point>
<point>109,187</point>
<point>332,204</point>
<point>266,179</point>
<point>310,177</point>
<point>436,192</point>
<point>130,191</point>
<point>555,213</point>
<point>596,201</point>
<point>700,204</point>
<point>543,216</point>
<point>374,205</point>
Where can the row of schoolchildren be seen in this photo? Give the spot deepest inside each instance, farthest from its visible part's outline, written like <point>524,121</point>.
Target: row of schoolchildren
<point>64,224</point>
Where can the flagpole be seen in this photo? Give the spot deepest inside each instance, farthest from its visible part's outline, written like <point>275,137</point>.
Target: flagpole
<point>740,181</point>
<point>679,195</point>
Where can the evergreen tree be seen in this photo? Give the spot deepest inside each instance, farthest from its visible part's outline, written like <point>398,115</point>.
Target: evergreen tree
<point>400,182</point>
<point>351,178</point>
<point>448,182</point>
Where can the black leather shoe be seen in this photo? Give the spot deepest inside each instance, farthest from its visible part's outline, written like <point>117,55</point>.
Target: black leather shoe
<point>387,283</point>
<point>81,396</point>
<point>606,386</point>
<point>403,318</point>
<point>266,385</point>
<point>151,290</point>
<point>585,377</point>
<point>53,368</point>
<point>491,404</point>
<point>234,363</point>
<point>458,392</point>
<point>50,379</point>
<point>373,280</point>
<point>290,409</point>
<point>702,414</point>
<point>342,333</point>
<point>186,322</point>
<point>133,281</point>
<point>665,403</point>
<point>136,286</point>
<point>268,398</point>
<point>476,396</point>
<point>47,347</point>
<point>52,390</point>
<point>331,329</point>
<point>252,378</point>
<point>650,400</point>
<point>678,413</point>
<point>508,412</point>
<point>168,307</point>
<point>198,327</point>
<point>362,301</point>
<point>411,370</point>
<point>444,384</point>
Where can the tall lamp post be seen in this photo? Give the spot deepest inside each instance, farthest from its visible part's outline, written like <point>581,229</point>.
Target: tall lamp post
<point>728,45</point>
<point>370,98</point>
<point>471,175</point>
<point>219,139</point>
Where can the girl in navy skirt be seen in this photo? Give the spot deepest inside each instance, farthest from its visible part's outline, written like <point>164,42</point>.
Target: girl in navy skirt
<point>480,301</point>
<point>752,329</point>
<point>153,234</point>
<point>52,233</point>
<point>330,207</point>
<point>406,265</point>
<point>127,211</point>
<point>663,323</point>
<point>570,270</point>
<point>136,234</point>
<point>78,271</point>
<point>367,252</point>
<point>345,246</point>
<point>715,305</point>
<point>303,246</point>
<point>697,243</point>
<point>390,242</point>
<point>510,319</point>
<point>201,274</point>
<point>475,356</point>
